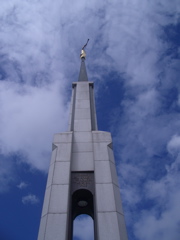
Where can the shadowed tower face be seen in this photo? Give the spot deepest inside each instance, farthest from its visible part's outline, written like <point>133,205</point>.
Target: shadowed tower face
<point>82,176</point>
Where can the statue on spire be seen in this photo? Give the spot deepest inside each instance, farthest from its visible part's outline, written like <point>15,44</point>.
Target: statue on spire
<point>83,53</point>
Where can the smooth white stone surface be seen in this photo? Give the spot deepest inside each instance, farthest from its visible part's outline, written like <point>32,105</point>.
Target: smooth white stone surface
<point>50,175</point>
<point>111,155</point>
<point>82,137</point>
<point>83,166</point>
<point>46,201</point>
<point>70,120</point>
<point>114,173</point>
<point>102,172</point>
<point>82,156</point>
<point>64,152</point>
<point>122,227</point>
<point>108,226</point>
<point>82,161</point>
<point>82,95</point>
<point>100,151</point>
<point>83,86</point>
<point>53,155</point>
<point>71,110</point>
<point>42,228</point>
<point>118,199</point>
<point>82,147</point>
<point>58,199</point>
<point>105,197</point>
<point>56,227</point>
<point>82,113</point>
<point>61,173</point>
<point>63,137</point>
<point>82,103</point>
<point>82,125</point>
<point>100,136</point>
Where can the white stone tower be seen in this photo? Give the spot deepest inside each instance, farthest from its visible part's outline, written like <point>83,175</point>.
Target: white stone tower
<point>82,176</point>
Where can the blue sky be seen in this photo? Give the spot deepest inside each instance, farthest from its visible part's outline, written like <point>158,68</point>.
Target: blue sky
<point>133,57</point>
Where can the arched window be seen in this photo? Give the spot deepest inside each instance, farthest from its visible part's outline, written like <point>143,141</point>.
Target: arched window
<point>83,228</point>
<point>82,203</point>
<point>82,215</point>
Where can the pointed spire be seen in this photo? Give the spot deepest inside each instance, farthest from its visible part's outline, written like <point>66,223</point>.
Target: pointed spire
<point>83,73</point>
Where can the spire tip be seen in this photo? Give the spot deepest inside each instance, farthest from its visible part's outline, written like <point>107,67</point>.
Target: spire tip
<point>83,53</point>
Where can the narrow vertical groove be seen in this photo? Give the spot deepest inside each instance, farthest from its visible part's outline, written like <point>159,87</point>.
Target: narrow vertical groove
<point>69,226</point>
<point>73,108</point>
<point>92,107</point>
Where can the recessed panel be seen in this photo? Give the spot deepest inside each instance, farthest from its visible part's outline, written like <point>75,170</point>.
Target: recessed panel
<point>82,147</point>
<point>82,180</point>
<point>82,161</point>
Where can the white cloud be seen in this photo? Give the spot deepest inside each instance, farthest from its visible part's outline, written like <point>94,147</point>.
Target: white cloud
<point>160,218</point>
<point>30,117</point>
<point>30,199</point>
<point>165,226</point>
<point>173,145</point>
<point>22,185</point>
<point>161,221</point>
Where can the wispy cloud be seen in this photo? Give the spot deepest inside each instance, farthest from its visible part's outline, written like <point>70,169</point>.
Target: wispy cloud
<point>30,199</point>
<point>22,185</point>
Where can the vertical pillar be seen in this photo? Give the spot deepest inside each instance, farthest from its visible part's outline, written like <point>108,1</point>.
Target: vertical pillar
<point>110,217</point>
<point>55,211</point>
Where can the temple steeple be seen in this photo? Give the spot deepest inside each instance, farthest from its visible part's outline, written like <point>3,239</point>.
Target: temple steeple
<point>82,175</point>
